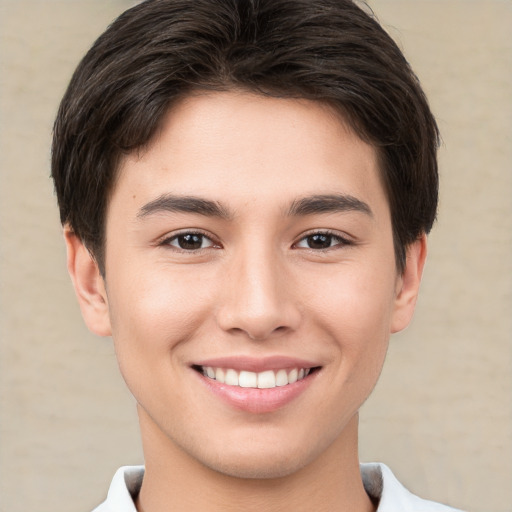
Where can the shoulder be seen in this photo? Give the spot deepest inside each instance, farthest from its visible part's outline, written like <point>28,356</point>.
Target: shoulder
<point>381,484</point>
<point>124,488</point>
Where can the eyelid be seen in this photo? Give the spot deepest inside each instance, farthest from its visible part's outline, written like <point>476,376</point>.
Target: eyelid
<point>167,238</point>
<point>344,240</point>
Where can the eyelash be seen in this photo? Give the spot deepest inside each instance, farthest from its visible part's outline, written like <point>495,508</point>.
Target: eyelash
<point>340,241</point>
<point>168,241</point>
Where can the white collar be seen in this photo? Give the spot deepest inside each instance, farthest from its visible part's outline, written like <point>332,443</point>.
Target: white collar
<point>379,482</point>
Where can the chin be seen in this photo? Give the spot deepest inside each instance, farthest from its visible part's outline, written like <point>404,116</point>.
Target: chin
<point>269,459</point>
<point>253,467</point>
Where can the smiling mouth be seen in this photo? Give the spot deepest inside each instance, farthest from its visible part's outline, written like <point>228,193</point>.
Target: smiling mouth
<point>257,380</point>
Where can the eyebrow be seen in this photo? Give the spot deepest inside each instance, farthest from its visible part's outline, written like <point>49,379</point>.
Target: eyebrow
<point>328,203</point>
<point>311,205</point>
<point>186,204</point>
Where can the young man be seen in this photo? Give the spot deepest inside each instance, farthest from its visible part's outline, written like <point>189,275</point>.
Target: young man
<point>246,188</point>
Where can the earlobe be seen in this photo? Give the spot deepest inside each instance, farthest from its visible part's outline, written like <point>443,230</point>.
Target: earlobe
<point>88,283</point>
<point>409,284</point>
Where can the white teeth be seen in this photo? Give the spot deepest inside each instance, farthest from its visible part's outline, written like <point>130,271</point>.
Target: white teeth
<point>220,375</point>
<point>281,378</point>
<point>264,380</point>
<point>231,377</point>
<point>247,379</point>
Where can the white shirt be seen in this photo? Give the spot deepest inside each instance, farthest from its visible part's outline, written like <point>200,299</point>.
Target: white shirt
<point>379,482</point>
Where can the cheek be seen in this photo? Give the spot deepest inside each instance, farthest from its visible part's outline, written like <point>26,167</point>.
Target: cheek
<point>152,318</point>
<point>355,302</point>
<point>154,311</point>
<point>355,311</point>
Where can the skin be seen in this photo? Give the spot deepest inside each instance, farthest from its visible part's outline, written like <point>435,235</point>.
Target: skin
<point>256,288</point>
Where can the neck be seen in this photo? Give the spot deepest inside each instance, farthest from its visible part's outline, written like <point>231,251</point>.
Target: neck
<point>175,481</point>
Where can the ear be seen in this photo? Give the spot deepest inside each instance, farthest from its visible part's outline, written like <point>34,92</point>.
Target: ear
<point>408,284</point>
<point>89,285</point>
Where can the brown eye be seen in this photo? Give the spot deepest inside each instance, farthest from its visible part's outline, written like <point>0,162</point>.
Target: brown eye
<point>319,241</point>
<point>322,241</point>
<point>190,241</point>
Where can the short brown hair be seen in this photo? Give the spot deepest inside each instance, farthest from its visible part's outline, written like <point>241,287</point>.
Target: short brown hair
<point>161,50</point>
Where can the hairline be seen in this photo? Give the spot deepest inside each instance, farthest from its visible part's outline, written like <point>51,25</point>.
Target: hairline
<point>336,109</point>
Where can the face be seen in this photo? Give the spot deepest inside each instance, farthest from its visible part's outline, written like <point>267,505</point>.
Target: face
<point>251,284</point>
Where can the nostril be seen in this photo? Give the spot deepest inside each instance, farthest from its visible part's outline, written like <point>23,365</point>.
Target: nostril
<point>260,319</point>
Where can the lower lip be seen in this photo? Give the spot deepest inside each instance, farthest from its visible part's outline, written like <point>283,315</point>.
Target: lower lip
<point>257,401</point>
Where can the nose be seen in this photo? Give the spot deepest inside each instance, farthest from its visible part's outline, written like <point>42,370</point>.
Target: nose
<point>258,298</point>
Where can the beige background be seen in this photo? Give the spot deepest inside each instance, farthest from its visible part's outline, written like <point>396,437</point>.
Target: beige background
<point>441,416</point>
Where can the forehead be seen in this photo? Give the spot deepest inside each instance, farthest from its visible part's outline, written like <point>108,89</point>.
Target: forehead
<point>238,145</point>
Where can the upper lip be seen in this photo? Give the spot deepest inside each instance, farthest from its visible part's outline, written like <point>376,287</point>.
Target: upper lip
<point>256,364</point>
